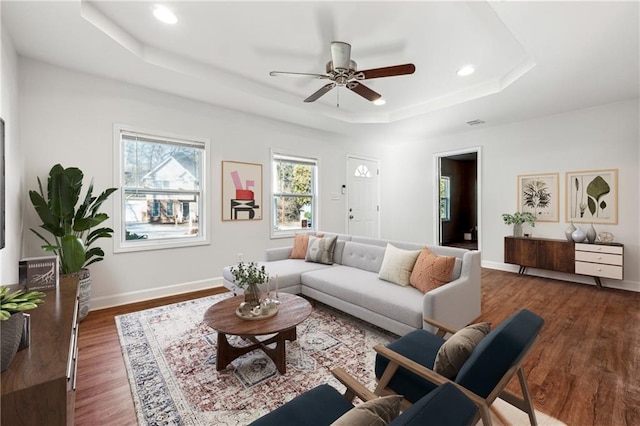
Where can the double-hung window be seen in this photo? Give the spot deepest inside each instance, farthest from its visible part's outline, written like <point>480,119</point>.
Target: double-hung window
<point>445,198</point>
<point>294,204</point>
<point>162,196</point>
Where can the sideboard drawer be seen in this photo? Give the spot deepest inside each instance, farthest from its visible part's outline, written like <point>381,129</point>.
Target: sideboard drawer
<point>593,257</point>
<point>599,270</point>
<point>600,248</point>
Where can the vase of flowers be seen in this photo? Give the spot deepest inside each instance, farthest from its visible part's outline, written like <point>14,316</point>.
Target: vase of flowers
<point>517,220</point>
<point>248,276</point>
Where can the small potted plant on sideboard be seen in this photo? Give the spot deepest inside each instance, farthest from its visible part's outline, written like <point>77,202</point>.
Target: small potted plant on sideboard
<point>517,219</point>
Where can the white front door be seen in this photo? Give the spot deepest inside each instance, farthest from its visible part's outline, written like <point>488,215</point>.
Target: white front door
<point>362,200</point>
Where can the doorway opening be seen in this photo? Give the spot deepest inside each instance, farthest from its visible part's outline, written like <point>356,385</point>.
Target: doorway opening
<point>457,198</point>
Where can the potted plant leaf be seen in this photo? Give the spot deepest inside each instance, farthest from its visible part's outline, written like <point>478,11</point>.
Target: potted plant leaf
<point>249,275</point>
<point>517,220</point>
<point>11,307</point>
<point>74,223</point>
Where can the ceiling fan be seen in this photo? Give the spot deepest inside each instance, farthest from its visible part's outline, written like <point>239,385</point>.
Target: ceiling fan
<point>343,72</point>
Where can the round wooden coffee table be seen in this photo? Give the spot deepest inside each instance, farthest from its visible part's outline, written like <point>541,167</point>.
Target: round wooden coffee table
<point>222,317</point>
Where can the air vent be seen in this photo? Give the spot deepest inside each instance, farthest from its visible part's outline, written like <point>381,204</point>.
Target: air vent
<point>475,122</point>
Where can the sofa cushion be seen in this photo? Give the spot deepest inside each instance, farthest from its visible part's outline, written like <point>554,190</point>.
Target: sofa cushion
<point>321,250</point>
<point>397,265</point>
<point>458,348</point>
<point>288,271</point>
<point>318,406</point>
<point>300,245</point>
<point>362,256</point>
<point>431,271</point>
<point>365,289</point>
<point>376,412</point>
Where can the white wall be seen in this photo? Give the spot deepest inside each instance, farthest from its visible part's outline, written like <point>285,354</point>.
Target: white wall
<point>10,255</point>
<point>604,137</point>
<point>67,117</point>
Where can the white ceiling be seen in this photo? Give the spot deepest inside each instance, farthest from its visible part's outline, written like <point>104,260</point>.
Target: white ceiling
<point>531,58</point>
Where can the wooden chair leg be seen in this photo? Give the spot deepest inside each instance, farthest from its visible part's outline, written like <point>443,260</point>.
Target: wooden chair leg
<point>527,398</point>
<point>485,415</point>
<point>391,369</point>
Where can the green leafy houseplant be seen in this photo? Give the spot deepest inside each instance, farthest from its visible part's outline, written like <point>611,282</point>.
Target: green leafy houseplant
<point>18,301</point>
<point>249,275</point>
<point>71,221</point>
<point>519,218</point>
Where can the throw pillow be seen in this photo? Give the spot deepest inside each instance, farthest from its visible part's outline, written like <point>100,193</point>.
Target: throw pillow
<point>431,271</point>
<point>320,250</point>
<point>397,265</point>
<point>377,412</point>
<point>458,348</point>
<point>300,245</point>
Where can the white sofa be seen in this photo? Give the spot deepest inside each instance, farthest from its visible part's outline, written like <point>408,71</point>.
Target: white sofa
<point>352,285</point>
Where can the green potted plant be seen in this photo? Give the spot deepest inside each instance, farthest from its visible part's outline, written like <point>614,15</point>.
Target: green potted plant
<point>517,220</point>
<point>73,223</point>
<point>11,307</point>
<point>249,275</point>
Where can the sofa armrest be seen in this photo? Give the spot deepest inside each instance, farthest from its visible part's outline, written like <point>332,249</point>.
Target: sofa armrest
<point>278,253</point>
<point>459,302</point>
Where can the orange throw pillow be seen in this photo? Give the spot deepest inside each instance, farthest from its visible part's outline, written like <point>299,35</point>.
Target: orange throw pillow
<point>300,244</point>
<point>431,271</point>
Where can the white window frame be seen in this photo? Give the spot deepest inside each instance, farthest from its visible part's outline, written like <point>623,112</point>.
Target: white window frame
<point>447,197</point>
<point>314,194</point>
<point>120,244</point>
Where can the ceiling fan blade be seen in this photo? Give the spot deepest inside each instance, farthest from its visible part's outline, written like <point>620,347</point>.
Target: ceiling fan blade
<point>297,74</point>
<point>363,91</point>
<point>324,89</point>
<point>386,72</point>
<point>340,54</point>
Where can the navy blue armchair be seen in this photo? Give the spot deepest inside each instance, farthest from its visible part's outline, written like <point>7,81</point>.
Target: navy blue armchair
<point>444,406</point>
<point>405,366</point>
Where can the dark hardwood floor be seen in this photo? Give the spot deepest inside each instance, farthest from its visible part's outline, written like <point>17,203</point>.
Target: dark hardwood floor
<point>583,370</point>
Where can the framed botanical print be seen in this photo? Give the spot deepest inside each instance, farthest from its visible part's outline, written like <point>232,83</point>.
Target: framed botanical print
<point>241,191</point>
<point>592,196</point>
<point>538,194</point>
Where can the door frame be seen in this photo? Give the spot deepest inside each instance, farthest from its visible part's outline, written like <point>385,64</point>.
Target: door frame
<point>437,224</point>
<point>348,177</point>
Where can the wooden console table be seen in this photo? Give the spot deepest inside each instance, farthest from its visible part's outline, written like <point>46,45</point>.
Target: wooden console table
<point>598,260</point>
<point>39,386</point>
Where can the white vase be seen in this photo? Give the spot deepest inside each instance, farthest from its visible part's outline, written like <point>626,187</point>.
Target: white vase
<point>578,235</point>
<point>569,231</point>
<point>517,230</point>
<point>591,234</point>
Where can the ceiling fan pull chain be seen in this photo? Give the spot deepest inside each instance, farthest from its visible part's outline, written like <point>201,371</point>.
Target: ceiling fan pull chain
<point>337,97</point>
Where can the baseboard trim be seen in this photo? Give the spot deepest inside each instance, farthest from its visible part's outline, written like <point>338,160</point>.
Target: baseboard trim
<point>574,278</point>
<point>104,302</point>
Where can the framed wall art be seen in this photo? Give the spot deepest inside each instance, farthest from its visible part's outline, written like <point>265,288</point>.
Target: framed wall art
<point>539,194</point>
<point>592,196</point>
<point>241,191</point>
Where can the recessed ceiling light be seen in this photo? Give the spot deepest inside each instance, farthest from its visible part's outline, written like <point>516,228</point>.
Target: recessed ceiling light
<point>466,70</point>
<point>379,101</point>
<point>164,14</point>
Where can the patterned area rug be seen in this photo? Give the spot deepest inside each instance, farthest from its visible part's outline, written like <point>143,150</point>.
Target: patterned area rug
<point>171,362</point>
<point>170,356</point>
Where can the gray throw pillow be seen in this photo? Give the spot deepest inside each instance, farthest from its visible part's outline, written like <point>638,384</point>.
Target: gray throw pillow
<point>320,250</point>
<point>458,348</point>
<point>377,412</point>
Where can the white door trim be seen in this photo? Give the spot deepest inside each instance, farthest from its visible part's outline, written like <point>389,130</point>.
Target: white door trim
<point>436,190</point>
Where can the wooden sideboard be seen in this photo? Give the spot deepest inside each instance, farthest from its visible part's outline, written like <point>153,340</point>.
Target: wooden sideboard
<point>599,260</point>
<point>38,388</point>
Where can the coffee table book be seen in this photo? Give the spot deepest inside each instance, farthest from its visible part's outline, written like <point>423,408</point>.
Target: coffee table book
<point>38,273</point>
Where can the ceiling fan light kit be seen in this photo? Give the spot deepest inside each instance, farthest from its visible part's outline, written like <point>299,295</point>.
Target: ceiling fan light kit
<point>342,71</point>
